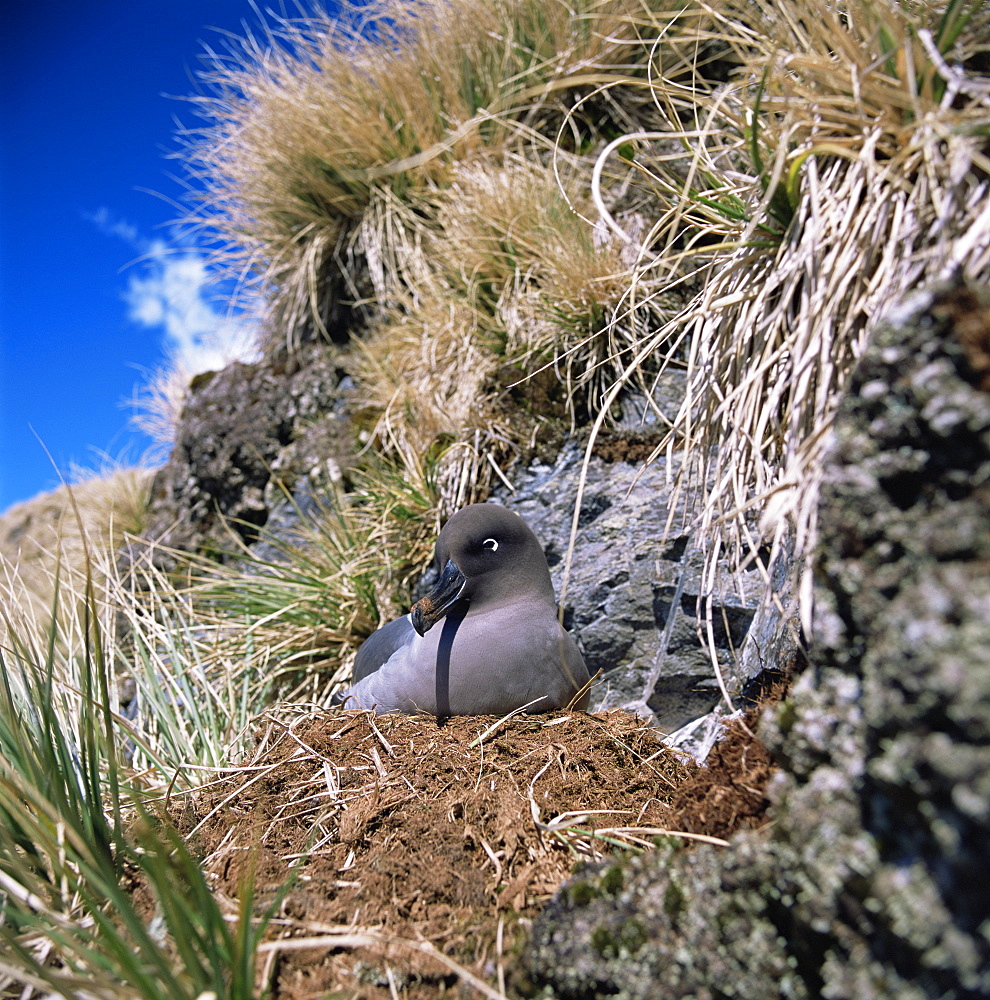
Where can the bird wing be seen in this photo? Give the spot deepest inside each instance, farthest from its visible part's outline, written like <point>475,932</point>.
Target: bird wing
<point>379,646</point>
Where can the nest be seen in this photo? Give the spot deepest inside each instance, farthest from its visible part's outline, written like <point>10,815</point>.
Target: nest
<point>422,849</point>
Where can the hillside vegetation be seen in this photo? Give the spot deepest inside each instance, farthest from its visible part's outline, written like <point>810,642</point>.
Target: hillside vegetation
<point>498,217</point>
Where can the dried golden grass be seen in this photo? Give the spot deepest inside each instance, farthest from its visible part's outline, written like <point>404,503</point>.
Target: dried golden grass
<point>308,123</point>
<point>57,534</point>
<point>451,432</point>
<point>513,239</point>
<point>409,173</point>
<point>157,406</point>
<point>502,278</point>
<point>842,167</point>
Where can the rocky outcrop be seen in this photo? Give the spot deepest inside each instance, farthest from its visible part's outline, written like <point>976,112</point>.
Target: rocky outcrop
<point>870,880</point>
<point>242,430</point>
<point>634,593</point>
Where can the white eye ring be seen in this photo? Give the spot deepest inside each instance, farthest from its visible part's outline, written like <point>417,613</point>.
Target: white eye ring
<point>491,544</point>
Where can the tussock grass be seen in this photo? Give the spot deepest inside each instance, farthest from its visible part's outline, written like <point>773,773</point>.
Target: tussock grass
<point>308,123</point>
<point>555,291</point>
<point>157,406</point>
<point>79,829</point>
<point>842,166</point>
<point>190,692</point>
<point>424,170</point>
<point>426,380</point>
<point>282,619</point>
<point>504,281</point>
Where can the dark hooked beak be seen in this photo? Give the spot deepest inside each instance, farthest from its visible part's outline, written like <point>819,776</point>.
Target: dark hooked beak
<point>430,609</point>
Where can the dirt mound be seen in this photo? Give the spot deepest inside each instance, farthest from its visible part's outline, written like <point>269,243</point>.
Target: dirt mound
<point>728,793</point>
<point>421,850</point>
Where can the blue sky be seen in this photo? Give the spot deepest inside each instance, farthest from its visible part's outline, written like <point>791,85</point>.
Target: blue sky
<point>94,290</point>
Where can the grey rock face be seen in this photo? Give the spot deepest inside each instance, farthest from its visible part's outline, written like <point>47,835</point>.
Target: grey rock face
<point>630,587</point>
<point>871,880</point>
<point>241,427</point>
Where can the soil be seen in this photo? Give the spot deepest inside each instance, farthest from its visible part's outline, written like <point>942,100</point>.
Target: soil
<point>630,446</point>
<point>421,851</point>
<point>729,792</point>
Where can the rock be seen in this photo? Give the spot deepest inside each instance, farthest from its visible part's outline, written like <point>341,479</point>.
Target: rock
<point>870,881</point>
<point>634,583</point>
<point>242,429</point>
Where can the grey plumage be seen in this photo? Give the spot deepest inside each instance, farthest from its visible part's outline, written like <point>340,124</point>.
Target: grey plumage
<point>500,645</point>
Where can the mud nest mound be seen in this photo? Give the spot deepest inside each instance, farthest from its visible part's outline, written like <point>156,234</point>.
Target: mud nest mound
<point>420,851</point>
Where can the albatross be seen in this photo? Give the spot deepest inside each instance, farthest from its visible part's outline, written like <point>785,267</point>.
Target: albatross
<point>500,647</point>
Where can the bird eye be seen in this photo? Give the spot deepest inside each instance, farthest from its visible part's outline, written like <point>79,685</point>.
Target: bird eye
<point>491,544</point>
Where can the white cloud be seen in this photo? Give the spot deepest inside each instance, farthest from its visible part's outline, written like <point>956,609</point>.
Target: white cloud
<point>172,291</point>
<point>106,222</point>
